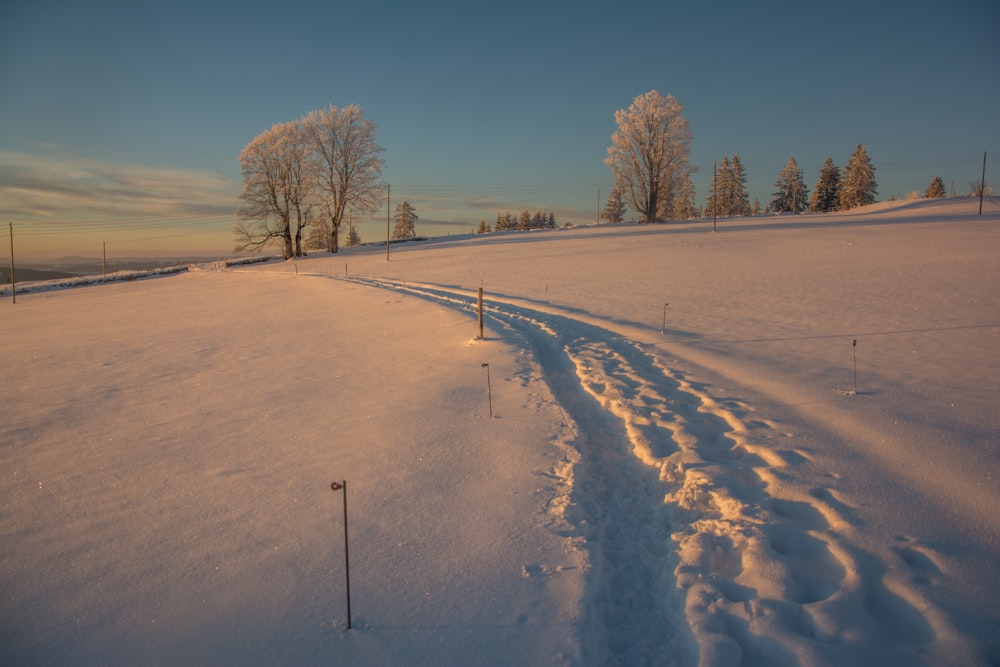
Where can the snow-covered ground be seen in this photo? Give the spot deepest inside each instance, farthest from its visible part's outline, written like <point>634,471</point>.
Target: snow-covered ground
<point>677,470</point>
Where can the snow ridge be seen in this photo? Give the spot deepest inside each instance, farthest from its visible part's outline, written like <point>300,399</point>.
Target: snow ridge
<point>702,549</point>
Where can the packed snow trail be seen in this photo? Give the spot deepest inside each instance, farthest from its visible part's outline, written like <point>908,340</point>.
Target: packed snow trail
<point>695,557</point>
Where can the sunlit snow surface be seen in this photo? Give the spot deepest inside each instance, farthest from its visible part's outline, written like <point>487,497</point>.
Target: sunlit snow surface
<point>678,470</point>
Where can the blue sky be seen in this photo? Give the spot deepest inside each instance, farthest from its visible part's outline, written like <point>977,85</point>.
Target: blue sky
<point>123,121</point>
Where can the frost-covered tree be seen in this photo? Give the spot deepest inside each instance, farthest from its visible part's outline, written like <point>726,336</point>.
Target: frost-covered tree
<point>406,220</point>
<point>319,232</point>
<point>649,153</point>
<point>857,183</point>
<point>506,221</point>
<point>756,207</point>
<point>684,207</point>
<point>936,189</point>
<point>524,220</point>
<point>736,200</point>
<point>714,206</point>
<point>614,207</point>
<point>729,196</point>
<point>739,199</point>
<point>276,193</point>
<point>792,195</point>
<point>483,228</point>
<point>978,188</point>
<point>826,196</point>
<point>346,163</point>
<point>501,222</point>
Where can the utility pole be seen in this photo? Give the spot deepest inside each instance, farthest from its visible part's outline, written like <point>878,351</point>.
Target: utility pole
<point>13,287</point>
<point>388,207</point>
<point>715,191</point>
<point>982,185</point>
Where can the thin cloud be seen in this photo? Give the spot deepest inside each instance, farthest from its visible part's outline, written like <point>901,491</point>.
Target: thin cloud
<point>44,188</point>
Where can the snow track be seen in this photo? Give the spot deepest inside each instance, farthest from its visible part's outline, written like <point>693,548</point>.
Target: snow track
<point>703,548</point>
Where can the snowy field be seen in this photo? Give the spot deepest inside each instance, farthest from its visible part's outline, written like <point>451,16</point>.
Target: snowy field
<point>686,484</point>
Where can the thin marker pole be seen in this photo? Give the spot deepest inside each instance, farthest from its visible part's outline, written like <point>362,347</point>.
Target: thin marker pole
<point>388,207</point>
<point>663,329</point>
<point>337,486</point>
<point>481,314</point>
<point>104,250</point>
<point>489,387</point>
<point>855,346</point>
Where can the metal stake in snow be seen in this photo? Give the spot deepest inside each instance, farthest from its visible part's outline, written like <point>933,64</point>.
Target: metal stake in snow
<point>480,308</point>
<point>663,329</point>
<point>489,387</point>
<point>855,347</point>
<point>338,486</point>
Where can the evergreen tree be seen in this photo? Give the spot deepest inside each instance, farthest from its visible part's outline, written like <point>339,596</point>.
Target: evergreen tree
<point>739,200</point>
<point>318,237</point>
<point>524,222</point>
<point>857,185</point>
<point>756,206</point>
<point>550,221</point>
<point>936,189</point>
<point>353,238</point>
<point>724,181</point>
<point>729,191</point>
<point>826,196</point>
<point>792,195</point>
<point>614,207</point>
<point>483,228</point>
<point>684,207</point>
<point>406,218</point>
<point>716,196</point>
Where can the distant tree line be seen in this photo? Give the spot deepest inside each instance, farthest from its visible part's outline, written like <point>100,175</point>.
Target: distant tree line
<point>649,158</point>
<point>506,221</point>
<point>834,190</point>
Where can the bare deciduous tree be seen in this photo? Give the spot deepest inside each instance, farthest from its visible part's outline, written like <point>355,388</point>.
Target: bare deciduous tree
<point>276,186</point>
<point>649,153</point>
<point>346,164</point>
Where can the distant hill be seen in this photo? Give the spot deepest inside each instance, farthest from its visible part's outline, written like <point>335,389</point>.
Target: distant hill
<point>32,274</point>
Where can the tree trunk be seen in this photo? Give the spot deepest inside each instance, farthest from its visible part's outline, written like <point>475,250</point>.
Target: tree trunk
<point>334,229</point>
<point>652,203</point>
